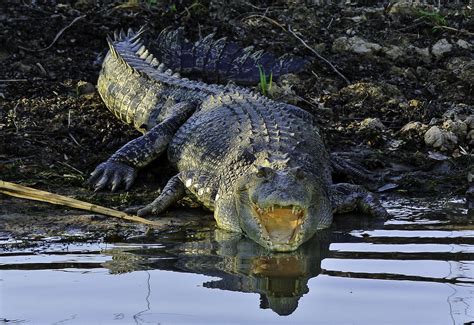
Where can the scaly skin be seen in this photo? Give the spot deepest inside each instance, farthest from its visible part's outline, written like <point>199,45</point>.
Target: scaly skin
<point>260,165</point>
<point>221,60</point>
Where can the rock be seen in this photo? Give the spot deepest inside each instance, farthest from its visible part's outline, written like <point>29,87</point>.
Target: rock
<point>462,69</point>
<point>372,124</point>
<point>20,66</point>
<point>283,90</point>
<point>356,45</point>
<point>413,130</point>
<point>470,121</point>
<point>85,88</point>
<point>402,9</point>
<point>423,53</point>
<point>463,44</point>
<point>470,137</point>
<point>394,52</point>
<point>458,112</point>
<point>358,19</point>
<point>459,128</point>
<point>441,47</point>
<point>437,156</point>
<point>441,139</point>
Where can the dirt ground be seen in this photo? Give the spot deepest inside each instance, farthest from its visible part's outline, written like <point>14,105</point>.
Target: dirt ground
<point>406,111</point>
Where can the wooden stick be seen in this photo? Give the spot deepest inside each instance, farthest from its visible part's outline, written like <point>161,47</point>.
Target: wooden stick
<point>29,193</point>
<point>55,38</point>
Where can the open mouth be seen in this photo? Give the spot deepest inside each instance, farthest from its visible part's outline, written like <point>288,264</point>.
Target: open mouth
<point>281,223</point>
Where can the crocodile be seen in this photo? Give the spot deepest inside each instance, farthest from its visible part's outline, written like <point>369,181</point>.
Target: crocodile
<point>234,264</point>
<point>260,165</point>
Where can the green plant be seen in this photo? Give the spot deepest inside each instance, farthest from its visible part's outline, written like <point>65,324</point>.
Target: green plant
<point>433,17</point>
<point>173,8</point>
<point>265,84</point>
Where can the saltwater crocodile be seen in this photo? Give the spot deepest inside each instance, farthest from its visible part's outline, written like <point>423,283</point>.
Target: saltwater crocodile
<point>260,165</point>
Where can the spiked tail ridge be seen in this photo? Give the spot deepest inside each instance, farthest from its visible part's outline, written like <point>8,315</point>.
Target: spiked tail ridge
<point>131,80</point>
<point>221,60</point>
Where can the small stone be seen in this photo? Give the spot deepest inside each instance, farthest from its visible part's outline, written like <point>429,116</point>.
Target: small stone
<point>437,138</point>
<point>462,68</point>
<point>424,53</point>
<point>358,19</point>
<point>470,136</point>
<point>463,44</point>
<point>373,124</point>
<point>25,68</point>
<point>441,47</point>
<point>356,45</point>
<point>85,88</point>
<point>415,103</point>
<point>470,121</point>
<point>437,156</point>
<point>394,52</point>
<point>459,128</point>
<point>413,130</point>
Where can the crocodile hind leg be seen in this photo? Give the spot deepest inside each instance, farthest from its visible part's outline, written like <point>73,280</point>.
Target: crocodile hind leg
<point>121,167</point>
<point>349,197</point>
<point>344,166</point>
<point>172,192</point>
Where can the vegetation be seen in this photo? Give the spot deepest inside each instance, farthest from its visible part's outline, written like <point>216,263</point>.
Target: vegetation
<point>265,84</point>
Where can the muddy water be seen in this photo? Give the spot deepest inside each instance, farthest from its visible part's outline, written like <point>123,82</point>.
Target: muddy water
<point>416,268</point>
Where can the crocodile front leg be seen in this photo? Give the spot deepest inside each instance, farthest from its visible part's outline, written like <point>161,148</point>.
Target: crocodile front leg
<point>349,197</point>
<point>172,192</point>
<point>121,167</point>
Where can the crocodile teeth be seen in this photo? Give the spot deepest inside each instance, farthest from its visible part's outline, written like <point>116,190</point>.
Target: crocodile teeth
<point>161,67</point>
<point>144,55</point>
<point>149,59</point>
<point>141,50</point>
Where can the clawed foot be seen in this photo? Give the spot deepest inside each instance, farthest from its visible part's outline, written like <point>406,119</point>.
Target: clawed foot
<point>111,174</point>
<point>150,209</point>
<point>351,169</point>
<point>349,197</point>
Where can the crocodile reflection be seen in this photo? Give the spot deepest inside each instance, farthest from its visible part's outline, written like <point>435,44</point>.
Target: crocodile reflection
<point>281,279</point>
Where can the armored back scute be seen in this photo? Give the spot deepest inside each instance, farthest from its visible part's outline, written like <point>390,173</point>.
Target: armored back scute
<point>221,60</point>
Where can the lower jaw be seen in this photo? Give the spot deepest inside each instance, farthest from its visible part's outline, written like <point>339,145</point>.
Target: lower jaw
<point>282,247</point>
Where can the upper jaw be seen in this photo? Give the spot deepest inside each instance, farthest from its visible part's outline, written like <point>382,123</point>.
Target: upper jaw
<point>280,225</point>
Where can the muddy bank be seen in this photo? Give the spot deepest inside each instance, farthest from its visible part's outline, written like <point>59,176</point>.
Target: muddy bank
<point>406,112</point>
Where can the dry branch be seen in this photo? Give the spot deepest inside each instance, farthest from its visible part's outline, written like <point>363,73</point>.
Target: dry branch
<point>290,30</point>
<point>55,38</point>
<point>29,193</point>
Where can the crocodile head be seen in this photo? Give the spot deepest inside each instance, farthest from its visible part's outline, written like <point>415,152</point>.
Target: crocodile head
<point>280,208</point>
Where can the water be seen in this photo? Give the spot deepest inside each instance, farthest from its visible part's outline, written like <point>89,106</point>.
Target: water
<point>416,268</point>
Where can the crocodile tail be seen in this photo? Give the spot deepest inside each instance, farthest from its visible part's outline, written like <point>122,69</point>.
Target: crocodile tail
<point>221,60</point>
<point>127,82</point>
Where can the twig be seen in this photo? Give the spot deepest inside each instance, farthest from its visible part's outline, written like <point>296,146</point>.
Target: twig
<point>55,38</point>
<point>289,30</point>
<point>20,80</point>
<point>13,80</point>
<point>29,193</point>
<point>463,31</point>
<point>72,167</point>
<point>319,55</point>
<point>330,23</point>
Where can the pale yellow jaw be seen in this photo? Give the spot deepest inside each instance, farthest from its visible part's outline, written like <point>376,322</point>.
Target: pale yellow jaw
<point>280,223</point>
